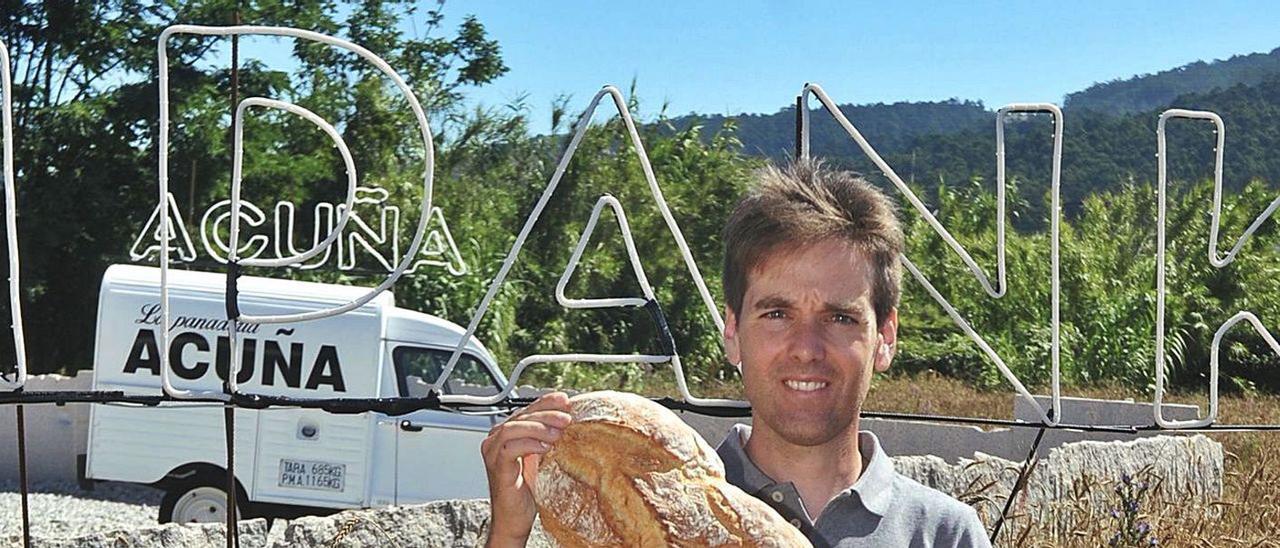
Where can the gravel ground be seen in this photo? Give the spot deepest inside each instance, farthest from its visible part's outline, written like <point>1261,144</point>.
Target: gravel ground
<point>64,510</point>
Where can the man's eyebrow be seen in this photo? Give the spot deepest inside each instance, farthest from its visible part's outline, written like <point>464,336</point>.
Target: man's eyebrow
<point>772,301</point>
<point>851,308</point>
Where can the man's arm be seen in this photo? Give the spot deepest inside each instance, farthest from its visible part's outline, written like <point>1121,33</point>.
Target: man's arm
<point>511,454</point>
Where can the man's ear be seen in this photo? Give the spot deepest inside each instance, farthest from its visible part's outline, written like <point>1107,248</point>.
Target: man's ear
<point>732,351</point>
<point>888,340</point>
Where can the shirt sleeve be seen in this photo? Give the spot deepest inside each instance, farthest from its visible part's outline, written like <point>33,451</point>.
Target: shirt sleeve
<point>969,532</point>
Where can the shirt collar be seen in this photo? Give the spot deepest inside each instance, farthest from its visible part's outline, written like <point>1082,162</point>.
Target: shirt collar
<point>874,486</point>
<point>739,469</point>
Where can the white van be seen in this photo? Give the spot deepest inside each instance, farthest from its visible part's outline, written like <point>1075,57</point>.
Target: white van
<point>288,461</point>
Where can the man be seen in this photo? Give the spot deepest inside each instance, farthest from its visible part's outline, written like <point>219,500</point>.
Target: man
<point>811,280</point>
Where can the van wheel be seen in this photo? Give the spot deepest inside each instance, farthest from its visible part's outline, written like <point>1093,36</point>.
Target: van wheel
<point>200,501</point>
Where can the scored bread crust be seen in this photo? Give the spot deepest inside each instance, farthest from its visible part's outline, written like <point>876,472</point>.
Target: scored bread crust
<point>629,472</point>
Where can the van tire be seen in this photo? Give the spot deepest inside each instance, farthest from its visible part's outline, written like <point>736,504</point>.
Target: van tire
<point>201,499</point>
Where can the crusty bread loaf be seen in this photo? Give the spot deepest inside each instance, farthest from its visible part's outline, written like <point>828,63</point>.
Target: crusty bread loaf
<point>628,472</point>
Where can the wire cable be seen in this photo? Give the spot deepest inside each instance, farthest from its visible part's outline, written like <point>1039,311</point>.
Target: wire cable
<point>1021,483</point>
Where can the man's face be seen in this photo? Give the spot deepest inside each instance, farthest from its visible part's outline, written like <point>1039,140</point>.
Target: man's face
<point>807,341</point>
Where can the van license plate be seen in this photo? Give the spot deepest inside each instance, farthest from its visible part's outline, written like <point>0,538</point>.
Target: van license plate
<point>307,474</point>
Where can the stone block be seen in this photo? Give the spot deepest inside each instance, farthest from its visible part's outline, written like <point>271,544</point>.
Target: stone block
<point>253,534</point>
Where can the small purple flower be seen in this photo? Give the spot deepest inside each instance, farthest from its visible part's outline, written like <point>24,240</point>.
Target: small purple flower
<point>1155,541</point>
<point>1143,527</point>
<point>1132,507</point>
<point>1126,478</point>
<point>1115,513</point>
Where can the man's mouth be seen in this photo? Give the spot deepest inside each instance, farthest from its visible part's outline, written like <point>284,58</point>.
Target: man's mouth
<point>805,386</point>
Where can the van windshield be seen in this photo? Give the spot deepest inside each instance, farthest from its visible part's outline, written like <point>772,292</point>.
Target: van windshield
<point>417,368</point>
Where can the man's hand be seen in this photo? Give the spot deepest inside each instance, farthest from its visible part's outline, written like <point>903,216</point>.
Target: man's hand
<point>511,453</point>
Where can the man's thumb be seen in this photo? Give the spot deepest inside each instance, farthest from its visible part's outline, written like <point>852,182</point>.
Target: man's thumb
<point>530,463</point>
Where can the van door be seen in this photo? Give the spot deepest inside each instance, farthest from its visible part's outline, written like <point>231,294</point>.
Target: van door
<point>438,452</point>
<point>311,458</point>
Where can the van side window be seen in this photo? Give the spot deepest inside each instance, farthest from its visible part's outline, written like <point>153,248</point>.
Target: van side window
<point>417,368</point>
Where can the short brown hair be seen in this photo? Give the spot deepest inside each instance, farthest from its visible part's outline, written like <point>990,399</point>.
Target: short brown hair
<point>805,203</point>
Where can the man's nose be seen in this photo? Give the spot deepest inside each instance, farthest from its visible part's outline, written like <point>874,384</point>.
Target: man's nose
<point>808,342</point>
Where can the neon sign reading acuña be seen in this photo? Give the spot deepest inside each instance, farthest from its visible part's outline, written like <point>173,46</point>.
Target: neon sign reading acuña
<point>373,231</point>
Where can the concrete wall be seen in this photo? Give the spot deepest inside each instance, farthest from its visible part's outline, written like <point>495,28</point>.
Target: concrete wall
<point>953,442</point>
<point>55,434</point>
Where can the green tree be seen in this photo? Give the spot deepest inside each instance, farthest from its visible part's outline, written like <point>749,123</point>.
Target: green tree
<point>85,111</point>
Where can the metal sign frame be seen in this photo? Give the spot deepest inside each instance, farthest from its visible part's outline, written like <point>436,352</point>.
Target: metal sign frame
<point>11,227</point>
<point>233,260</point>
<point>1215,259</point>
<point>584,122</point>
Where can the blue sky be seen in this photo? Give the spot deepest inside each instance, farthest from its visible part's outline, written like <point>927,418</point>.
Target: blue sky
<point>754,55</point>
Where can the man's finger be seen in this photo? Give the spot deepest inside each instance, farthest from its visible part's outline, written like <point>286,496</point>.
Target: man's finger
<point>527,429</point>
<point>551,417</point>
<point>523,448</point>
<point>531,431</point>
<point>553,400</point>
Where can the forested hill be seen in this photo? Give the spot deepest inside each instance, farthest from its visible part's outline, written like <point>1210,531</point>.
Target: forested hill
<point>1150,91</point>
<point>1108,139</point>
<point>895,128</point>
<point>1101,152</point>
<point>891,127</point>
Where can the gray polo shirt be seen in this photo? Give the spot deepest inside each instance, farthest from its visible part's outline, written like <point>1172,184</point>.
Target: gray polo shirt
<point>883,508</point>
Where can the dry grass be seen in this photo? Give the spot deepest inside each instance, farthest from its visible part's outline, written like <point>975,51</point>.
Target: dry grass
<point>1247,515</point>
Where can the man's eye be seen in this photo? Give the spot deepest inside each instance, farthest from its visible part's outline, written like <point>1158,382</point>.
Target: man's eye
<point>844,319</point>
<point>775,314</point>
